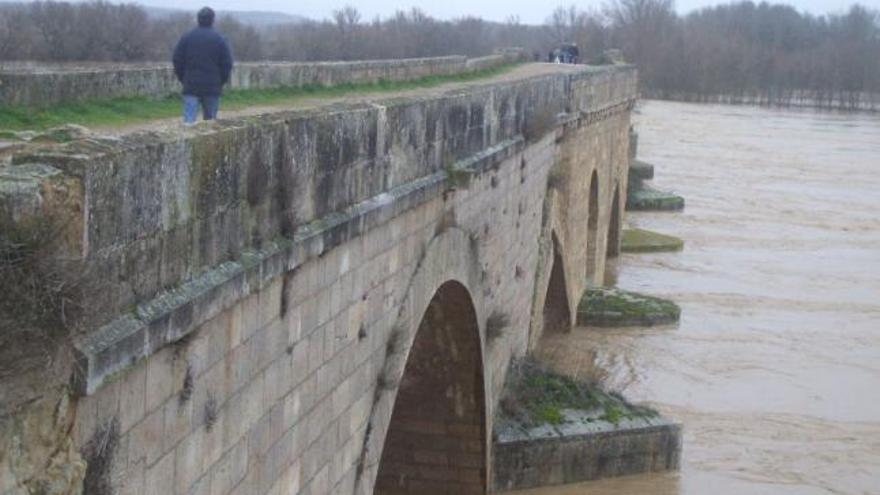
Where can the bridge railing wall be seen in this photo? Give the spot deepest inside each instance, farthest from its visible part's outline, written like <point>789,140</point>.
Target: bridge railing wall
<point>35,84</point>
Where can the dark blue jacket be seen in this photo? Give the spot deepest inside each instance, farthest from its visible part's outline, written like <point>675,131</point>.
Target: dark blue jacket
<point>202,62</point>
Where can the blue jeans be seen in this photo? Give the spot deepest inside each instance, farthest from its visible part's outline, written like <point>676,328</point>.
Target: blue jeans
<point>209,104</point>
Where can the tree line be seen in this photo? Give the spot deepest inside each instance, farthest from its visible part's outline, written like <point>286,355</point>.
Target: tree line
<point>768,53</point>
<point>738,51</point>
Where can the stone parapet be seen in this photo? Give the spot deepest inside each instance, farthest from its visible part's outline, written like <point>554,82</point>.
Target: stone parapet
<point>34,84</point>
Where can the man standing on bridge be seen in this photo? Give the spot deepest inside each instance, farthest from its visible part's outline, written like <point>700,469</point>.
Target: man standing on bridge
<point>203,63</point>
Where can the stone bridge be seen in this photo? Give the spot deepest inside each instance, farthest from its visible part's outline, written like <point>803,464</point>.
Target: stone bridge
<point>326,300</point>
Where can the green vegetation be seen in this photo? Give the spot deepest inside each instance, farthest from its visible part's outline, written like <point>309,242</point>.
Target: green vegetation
<point>458,178</point>
<point>640,171</point>
<point>534,395</point>
<point>648,199</point>
<point>606,307</point>
<point>646,241</point>
<point>126,111</point>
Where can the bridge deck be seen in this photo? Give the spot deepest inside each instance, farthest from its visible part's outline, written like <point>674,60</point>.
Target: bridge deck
<point>520,72</point>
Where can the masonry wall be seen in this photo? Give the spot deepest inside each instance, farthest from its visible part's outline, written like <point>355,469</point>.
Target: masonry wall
<point>34,84</point>
<point>269,260</point>
<point>578,452</point>
<point>158,208</point>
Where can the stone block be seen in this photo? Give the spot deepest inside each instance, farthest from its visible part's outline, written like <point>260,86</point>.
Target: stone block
<point>188,462</point>
<point>160,378</point>
<point>238,366</point>
<point>132,397</point>
<point>146,439</point>
<point>133,481</point>
<point>251,316</point>
<point>178,421</point>
<point>289,481</point>
<point>234,327</point>
<point>159,478</point>
<point>231,469</point>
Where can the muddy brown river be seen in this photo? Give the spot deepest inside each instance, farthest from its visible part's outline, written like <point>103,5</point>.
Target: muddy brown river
<point>774,369</point>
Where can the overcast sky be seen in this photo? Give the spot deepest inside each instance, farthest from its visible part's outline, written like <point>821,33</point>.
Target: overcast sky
<point>529,11</point>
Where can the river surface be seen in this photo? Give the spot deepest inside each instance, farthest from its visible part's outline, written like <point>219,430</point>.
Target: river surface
<point>774,369</point>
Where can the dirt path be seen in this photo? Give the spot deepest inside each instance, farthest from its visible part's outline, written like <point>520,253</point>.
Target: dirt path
<point>524,71</point>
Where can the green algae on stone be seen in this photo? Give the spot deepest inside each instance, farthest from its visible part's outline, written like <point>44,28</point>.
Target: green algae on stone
<point>639,171</point>
<point>610,307</point>
<point>650,199</point>
<point>646,241</point>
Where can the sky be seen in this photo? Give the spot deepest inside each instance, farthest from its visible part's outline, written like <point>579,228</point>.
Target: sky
<point>528,11</point>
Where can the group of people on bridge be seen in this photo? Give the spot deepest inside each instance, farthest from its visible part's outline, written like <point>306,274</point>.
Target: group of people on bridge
<point>567,53</point>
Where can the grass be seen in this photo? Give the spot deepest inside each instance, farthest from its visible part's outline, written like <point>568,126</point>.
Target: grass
<point>131,110</point>
<point>534,395</point>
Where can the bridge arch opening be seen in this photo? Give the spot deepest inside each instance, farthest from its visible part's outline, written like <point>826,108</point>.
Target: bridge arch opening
<point>557,315</point>
<point>593,228</point>
<point>614,226</point>
<point>436,440</point>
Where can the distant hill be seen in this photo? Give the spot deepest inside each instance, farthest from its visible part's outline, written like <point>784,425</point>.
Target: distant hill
<point>257,18</point>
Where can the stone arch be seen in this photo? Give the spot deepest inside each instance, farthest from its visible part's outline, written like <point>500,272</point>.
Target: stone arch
<point>593,229</point>
<point>557,312</point>
<point>436,440</point>
<point>449,257</point>
<point>614,225</point>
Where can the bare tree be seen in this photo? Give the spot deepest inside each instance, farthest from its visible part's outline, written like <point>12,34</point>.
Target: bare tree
<point>347,20</point>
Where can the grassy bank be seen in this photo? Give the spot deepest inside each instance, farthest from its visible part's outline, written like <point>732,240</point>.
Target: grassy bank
<point>126,111</point>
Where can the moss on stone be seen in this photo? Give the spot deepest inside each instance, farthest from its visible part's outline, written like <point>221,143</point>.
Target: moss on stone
<point>9,136</point>
<point>457,177</point>
<point>649,199</point>
<point>639,171</point>
<point>646,241</point>
<point>534,395</point>
<point>61,134</point>
<point>609,307</point>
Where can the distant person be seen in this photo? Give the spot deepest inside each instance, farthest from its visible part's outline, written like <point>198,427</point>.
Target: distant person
<point>203,63</point>
<point>572,53</point>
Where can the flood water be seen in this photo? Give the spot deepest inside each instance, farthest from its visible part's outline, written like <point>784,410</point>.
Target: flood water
<point>774,369</point>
